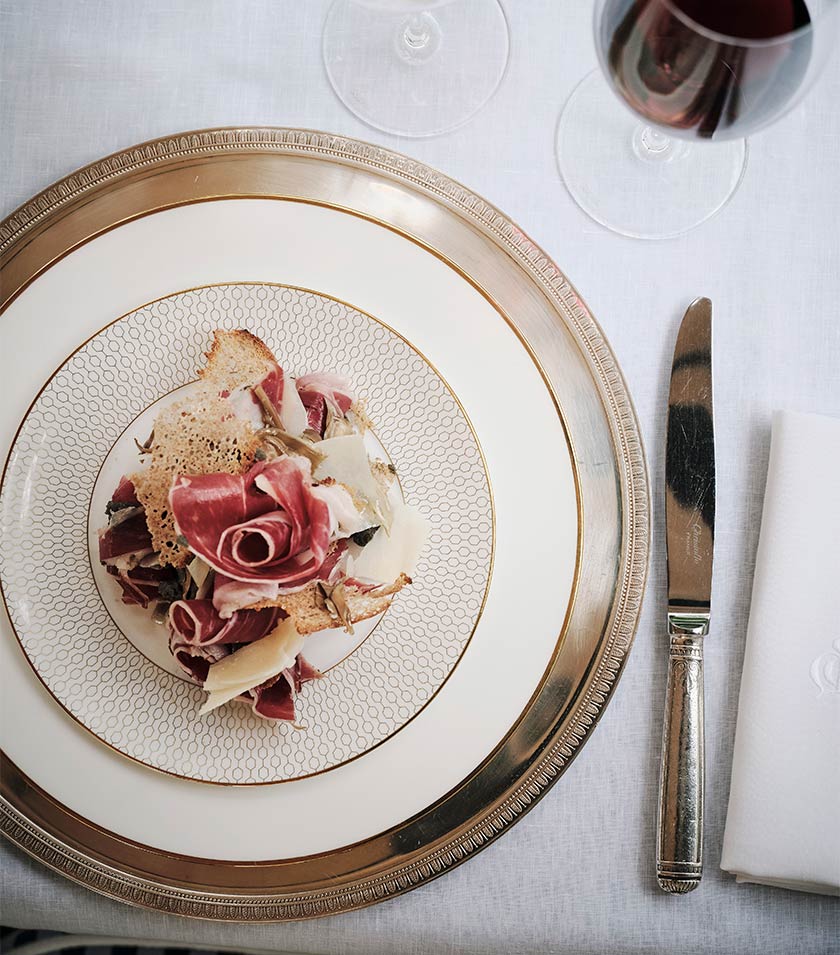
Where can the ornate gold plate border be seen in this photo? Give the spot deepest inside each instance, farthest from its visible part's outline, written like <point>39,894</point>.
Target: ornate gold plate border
<point>534,297</point>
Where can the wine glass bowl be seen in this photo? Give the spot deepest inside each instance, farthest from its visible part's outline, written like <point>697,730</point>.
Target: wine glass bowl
<point>710,69</point>
<point>697,76</point>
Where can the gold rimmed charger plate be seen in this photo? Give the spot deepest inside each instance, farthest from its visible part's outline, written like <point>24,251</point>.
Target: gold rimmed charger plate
<point>596,619</point>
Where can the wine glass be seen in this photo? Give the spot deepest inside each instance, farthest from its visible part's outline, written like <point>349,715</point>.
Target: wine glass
<point>697,76</point>
<point>415,67</point>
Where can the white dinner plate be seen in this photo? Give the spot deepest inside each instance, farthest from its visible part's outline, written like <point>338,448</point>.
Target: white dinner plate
<point>500,404</point>
<point>115,674</point>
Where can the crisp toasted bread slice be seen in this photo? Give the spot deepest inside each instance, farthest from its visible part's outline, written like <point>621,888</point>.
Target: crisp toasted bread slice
<point>236,359</point>
<point>200,436</point>
<point>310,615</point>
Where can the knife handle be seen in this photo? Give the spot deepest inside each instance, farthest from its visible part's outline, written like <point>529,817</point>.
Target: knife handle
<point>679,844</point>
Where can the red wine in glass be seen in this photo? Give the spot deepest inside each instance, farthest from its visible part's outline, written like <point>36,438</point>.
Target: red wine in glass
<point>698,76</point>
<point>709,69</point>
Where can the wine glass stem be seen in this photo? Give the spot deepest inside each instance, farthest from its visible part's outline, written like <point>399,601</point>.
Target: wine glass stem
<point>652,145</point>
<point>419,38</point>
<point>415,32</point>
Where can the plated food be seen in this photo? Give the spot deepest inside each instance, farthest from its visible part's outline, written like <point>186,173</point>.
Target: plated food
<point>256,517</point>
<point>109,663</point>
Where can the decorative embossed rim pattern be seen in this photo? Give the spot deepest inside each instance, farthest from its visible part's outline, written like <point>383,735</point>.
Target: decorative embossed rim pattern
<point>468,826</point>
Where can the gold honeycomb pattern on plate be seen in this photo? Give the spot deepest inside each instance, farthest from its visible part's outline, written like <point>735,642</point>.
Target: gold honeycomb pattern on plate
<point>109,686</point>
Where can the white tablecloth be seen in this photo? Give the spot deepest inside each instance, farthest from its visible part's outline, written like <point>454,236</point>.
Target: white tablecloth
<point>81,78</point>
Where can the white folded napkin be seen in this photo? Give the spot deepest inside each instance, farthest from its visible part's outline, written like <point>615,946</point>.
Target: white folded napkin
<point>783,824</point>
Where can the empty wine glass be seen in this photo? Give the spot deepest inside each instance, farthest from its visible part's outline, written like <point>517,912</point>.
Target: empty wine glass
<point>415,67</point>
<point>697,75</point>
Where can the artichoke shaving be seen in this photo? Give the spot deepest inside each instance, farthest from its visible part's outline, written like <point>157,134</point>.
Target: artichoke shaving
<point>337,425</point>
<point>334,601</point>
<point>276,436</point>
<point>383,513</point>
<point>204,590</point>
<point>121,514</point>
<point>114,507</point>
<point>146,447</point>
<point>364,537</point>
<point>269,411</point>
<point>161,612</point>
<point>284,442</point>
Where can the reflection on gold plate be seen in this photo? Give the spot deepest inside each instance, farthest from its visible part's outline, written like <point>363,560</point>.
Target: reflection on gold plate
<point>495,257</point>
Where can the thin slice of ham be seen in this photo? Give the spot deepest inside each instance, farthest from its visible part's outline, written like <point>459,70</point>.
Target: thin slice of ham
<point>335,389</point>
<point>126,539</point>
<point>272,384</point>
<point>316,410</point>
<point>231,595</point>
<point>140,584</point>
<point>262,540</point>
<point>288,482</point>
<point>197,623</point>
<point>321,390</point>
<point>197,660</point>
<point>265,525</point>
<point>281,393</point>
<point>125,492</point>
<point>275,699</point>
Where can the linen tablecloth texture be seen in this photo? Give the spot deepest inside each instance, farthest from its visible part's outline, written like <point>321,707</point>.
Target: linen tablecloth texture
<point>782,827</point>
<point>576,875</point>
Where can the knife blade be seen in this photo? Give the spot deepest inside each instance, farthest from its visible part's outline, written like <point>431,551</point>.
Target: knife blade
<point>690,531</point>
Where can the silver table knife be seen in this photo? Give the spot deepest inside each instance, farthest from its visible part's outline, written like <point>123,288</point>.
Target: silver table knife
<point>690,532</point>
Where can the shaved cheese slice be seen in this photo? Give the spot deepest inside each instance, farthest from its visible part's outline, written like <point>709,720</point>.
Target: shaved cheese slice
<point>344,518</point>
<point>257,671</point>
<point>258,661</point>
<point>388,556</point>
<point>346,460</point>
<point>292,411</point>
<point>198,570</point>
<point>220,697</point>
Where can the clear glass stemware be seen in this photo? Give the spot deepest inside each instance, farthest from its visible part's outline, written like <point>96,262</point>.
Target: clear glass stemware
<point>415,67</point>
<point>651,145</point>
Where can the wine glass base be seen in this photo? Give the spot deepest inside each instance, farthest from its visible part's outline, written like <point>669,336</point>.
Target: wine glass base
<point>413,68</point>
<point>634,179</point>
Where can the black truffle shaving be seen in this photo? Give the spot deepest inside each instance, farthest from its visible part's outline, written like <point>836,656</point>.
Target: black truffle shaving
<point>112,507</point>
<point>364,537</point>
